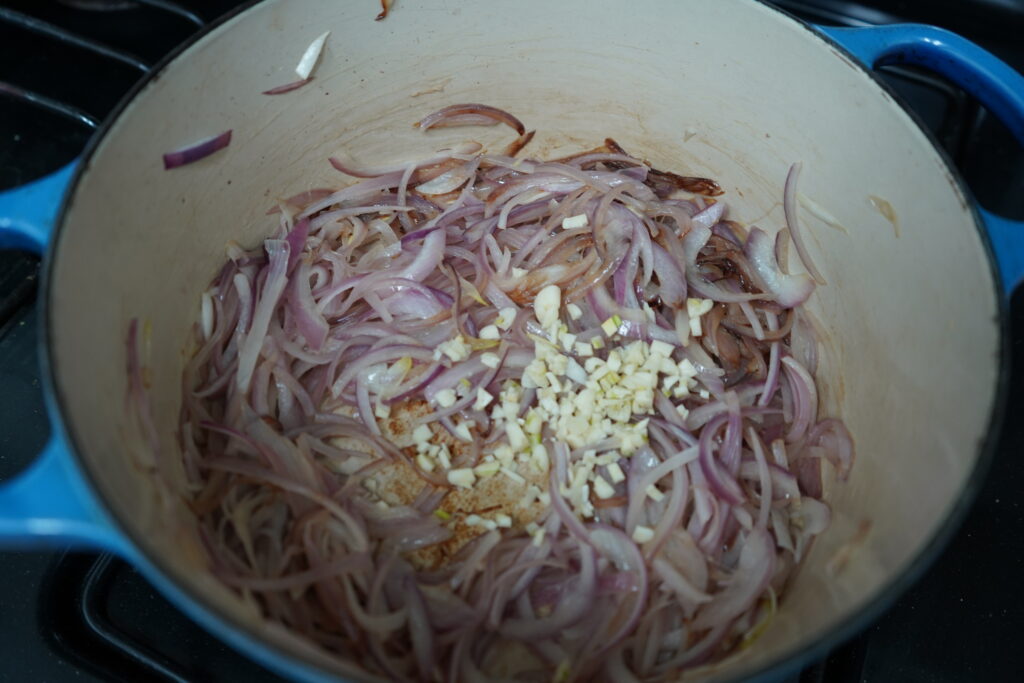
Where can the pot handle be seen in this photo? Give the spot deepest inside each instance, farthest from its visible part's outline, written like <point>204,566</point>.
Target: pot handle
<point>48,503</point>
<point>979,72</point>
<point>27,213</point>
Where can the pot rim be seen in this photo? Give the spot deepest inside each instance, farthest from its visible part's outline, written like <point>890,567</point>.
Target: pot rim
<point>784,663</point>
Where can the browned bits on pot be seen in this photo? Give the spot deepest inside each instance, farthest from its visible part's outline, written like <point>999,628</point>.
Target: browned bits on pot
<point>662,183</point>
<point>399,483</point>
<point>516,145</point>
<point>722,255</point>
<point>613,502</point>
<point>665,183</point>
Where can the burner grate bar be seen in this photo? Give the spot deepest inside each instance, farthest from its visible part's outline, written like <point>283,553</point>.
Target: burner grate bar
<point>48,103</point>
<point>830,15</point>
<point>174,8</point>
<point>92,612</point>
<point>47,29</point>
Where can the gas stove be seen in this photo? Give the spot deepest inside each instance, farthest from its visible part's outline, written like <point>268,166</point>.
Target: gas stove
<point>64,615</point>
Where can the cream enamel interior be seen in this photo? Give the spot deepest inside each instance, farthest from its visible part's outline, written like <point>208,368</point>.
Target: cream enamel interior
<point>732,90</point>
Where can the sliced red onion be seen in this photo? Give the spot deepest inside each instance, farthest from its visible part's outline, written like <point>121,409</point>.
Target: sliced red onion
<point>835,437</point>
<point>363,405</point>
<point>386,354</point>
<point>567,516</point>
<point>449,181</point>
<point>617,670</point>
<point>755,568</point>
<point>672,516</point>
<point>379,624</point>
<point>787,290</point>
<point>789,207</point>
<point>446,610</point>
<point>804,341</point>
<point>310,321</point>
<point>414,304</point>
<point>197,151</point>
<point>420,629</point>
<point>670,277</point>
<point>808,475</point>
<point>340,320</point>
<point>720,480</point>
<point>640,481</point>
<point>816,516</point>
<point>403,528</point>
<point>755,323</point>
<point>613,544</point>
<point>570,609</point>
<point>784,485</point>
<point>730,451</point>
<point>709,216</point>
<point>771,382</point>
<point>709,290</point>
<point>471,564</point>
<point>764,476</point>
<point>519,143</point>
<point>687,593</point>
<point>353,562</point>
<point>693,242</point>
<point>288,87</point>
<point>782,241</point>
<point>417,385</point>
<point>296,239</point>
<point>724,230</point>
<point>278,251</point>
<point>805,398</point>
<point>470,115</point>
<point>286,483</point>
<point>426,260</point>
<point>618,548</point>
<point>435,162</point>
<point>302,198</point>
<point>451,378</point>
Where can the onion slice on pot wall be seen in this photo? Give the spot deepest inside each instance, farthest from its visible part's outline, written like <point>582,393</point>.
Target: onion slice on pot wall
<point>789,205</point>
<point>195,152</point>
<point>288,87</point>
<point>470,115</point>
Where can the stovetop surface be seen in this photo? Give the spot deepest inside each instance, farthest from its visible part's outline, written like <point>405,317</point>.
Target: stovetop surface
<point>79,616</point>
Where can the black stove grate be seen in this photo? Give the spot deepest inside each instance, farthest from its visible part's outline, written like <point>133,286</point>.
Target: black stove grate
<point>63,67</point>
<point>120,629</point>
